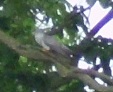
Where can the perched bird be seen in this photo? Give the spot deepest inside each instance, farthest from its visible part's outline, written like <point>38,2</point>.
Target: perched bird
<point>50,43</point>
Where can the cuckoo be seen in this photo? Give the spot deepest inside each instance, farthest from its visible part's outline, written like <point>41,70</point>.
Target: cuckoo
<point>51,43</point>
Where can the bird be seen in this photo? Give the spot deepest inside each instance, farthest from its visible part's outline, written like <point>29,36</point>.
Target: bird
<point>49,42</point>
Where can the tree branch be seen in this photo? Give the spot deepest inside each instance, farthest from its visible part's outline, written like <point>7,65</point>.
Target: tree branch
<point>63,64</point>
<point>100,24</point>
<point>81,74</point>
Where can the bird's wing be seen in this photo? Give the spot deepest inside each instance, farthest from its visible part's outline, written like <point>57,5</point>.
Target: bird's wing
<point>56,45</point>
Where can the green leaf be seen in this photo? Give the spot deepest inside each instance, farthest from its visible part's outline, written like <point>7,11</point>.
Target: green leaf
<point>105,3</point>
<point>91,2</point>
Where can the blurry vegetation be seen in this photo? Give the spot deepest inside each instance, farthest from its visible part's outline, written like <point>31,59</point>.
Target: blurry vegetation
<point>18,19</point>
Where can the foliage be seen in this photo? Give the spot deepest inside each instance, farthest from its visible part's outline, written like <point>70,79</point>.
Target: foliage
<point>18,19</point>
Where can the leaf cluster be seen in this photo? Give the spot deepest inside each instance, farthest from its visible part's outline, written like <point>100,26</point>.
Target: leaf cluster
<point>18,19</point>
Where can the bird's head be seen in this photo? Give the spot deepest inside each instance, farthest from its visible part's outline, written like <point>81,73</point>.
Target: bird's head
<point>40,30</point>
